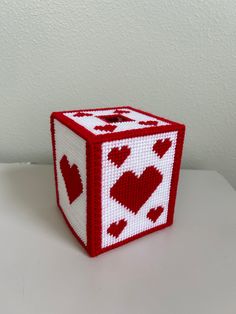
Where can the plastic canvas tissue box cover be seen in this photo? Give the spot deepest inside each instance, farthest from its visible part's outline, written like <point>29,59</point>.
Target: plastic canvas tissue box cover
<point>116,172</point>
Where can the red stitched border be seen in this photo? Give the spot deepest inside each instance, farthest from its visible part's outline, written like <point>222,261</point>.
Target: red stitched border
<point>97,209</point>
<point>132,238</point>
<point>89,155</point>
<point>135,133</point>
<point>93,195</point>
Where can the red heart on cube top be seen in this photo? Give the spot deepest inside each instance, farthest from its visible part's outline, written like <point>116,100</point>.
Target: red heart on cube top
<point>106,128</point>
<point>148,123</point>
<point>118,155</point>
<point>120,111</point>
<point>72,179</point>
<point>82,114</point>
<point>155,213</point>
<point>116,228</point>
<point>162,146</point>
<point>132,191</point>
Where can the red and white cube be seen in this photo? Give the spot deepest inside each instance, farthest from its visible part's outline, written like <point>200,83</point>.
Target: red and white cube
<point>116,172</point>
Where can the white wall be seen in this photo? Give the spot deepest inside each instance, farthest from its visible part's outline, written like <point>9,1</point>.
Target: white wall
<point>173,58</point>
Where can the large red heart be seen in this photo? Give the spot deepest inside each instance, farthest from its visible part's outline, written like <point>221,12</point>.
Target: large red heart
<point>106,128</point>
<point>118,155</point>
<point>155,213</point>
<point>162,146</point>
<point>116,228</point>
<point>72,179</point>
<point>132,191</point>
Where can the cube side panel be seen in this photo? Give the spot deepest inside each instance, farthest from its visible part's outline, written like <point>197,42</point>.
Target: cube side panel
<point>69,152</point>
<point>175,173</point>
<point>129,196</point>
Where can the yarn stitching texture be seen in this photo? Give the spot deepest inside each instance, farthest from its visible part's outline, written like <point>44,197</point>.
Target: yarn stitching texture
<point>70,145</point>
<point>93,122</point>
<point>142,156</point>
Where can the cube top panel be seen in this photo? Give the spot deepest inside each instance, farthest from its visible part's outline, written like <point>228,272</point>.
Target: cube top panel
<point>95,124</point>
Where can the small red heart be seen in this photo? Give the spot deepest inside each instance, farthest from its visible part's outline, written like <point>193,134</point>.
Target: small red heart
<point>118,155</point>
<point>82,114</point>
<point>132,191</point>
<point>121,111</point>
<point>162,146</point>
<point>72,179</point>
<point>155,213</point>
<point>106,128</point>
<point>116,228</point>
<point>148,122</point>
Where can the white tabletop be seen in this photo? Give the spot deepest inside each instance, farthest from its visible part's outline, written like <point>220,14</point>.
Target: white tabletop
<point>187,268</point>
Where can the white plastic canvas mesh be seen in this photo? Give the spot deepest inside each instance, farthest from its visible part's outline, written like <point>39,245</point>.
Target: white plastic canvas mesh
<point>74,147</point>
<point>141,156</point>
<point>90,122</point>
